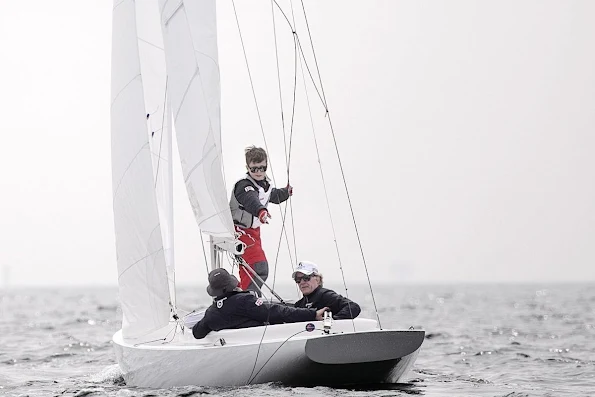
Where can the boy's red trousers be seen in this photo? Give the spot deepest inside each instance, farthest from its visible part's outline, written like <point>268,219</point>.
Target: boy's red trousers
<point>252,254</point>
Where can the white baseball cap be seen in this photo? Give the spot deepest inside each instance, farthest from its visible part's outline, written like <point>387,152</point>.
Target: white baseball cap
<point>306,268</point>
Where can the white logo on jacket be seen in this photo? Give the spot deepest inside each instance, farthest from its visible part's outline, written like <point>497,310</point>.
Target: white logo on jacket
<point>220,303</point>
<point>263,196</point>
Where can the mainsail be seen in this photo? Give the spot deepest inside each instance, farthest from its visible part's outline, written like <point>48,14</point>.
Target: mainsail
<point>142,276</point>
<point>190,38</point>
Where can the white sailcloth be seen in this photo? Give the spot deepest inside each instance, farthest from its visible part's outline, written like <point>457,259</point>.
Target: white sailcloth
<point>154,78</point>
<point>190,38</point>
<point>142,277</point>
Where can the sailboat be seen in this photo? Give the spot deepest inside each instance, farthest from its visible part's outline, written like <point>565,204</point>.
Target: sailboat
<point>165,75</point>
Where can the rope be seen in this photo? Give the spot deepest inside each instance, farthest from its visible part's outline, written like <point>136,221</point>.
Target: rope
<point>287,148</point>
<point>260,122</point>
<point>328,204</point>
<point>164,339</point>
<point>173,296</point>
<point>202,243</point>
<point>279,82</point>
<point>298,50</point>
<point>295,42</point>
<point>275,352</point>
<point>161,137</point>
<point>252,86</point>
<point>253,91</point>
<point>342,171</point>
<point>279,249</point>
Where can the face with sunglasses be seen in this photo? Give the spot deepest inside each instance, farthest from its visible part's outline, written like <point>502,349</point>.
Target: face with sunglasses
<point>258,171</point>
<point>307,283</point>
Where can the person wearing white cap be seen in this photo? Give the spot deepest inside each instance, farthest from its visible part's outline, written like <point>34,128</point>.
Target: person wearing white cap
<point>309,280</point>
<point>233,308</point>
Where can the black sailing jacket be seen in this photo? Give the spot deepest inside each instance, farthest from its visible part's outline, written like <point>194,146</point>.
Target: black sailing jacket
<point>341,307</point>
<point>244,310</point>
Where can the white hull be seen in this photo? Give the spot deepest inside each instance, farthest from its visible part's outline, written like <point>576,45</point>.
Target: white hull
<point>288,354</point>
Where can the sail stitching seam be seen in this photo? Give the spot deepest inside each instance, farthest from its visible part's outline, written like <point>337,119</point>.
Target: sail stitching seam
<point>123,88</point>
<point>197,73</point>
<point>118,5</point>
<point>127,168</point>
<point>141,259</point>
<point>178,7</point>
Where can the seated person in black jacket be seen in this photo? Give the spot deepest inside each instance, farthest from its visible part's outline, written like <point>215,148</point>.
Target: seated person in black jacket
<point>309,279</point>
<point>233,308</point>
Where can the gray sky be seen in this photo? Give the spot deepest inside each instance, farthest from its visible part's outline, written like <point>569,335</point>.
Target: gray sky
<point>465,129</point>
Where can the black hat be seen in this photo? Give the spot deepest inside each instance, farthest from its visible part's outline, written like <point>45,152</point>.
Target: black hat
<point>221,282</point>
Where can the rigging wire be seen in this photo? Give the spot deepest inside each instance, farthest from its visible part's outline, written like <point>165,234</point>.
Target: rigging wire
<point>302,51</point>
<point>264,331</point>
<point>252,378</point>
<point>322,96</point>
<point>299,45</point>
<point>279,249</point>
<point>295,62</point>
<point>204,252</point>
<point>314,53</point>
<point>164,339</point>
<point>287,151</point>
<point>283,230</point>
<point>161,135</point>
<point>279,79</point>
<point>328,204</point>
<point>252,84</point>
<point>341,168</point>
<point>295,57</point>
<point>266,323</point>
<point>173,294</point>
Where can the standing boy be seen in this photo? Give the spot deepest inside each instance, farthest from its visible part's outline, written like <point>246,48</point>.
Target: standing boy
<point>248,205</point>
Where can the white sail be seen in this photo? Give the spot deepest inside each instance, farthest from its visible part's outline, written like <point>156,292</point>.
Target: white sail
<point>190,38</point>
<point>154,78</point>
<point>142,277</point>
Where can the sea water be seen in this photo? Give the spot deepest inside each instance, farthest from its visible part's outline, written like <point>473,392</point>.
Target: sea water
<point>481,340</point>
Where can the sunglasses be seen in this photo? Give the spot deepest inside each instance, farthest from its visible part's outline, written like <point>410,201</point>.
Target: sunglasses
<point>305,278</point>
<point>258,169</point>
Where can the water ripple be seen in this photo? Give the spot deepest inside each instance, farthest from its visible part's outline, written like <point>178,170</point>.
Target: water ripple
<point>481,340</point>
